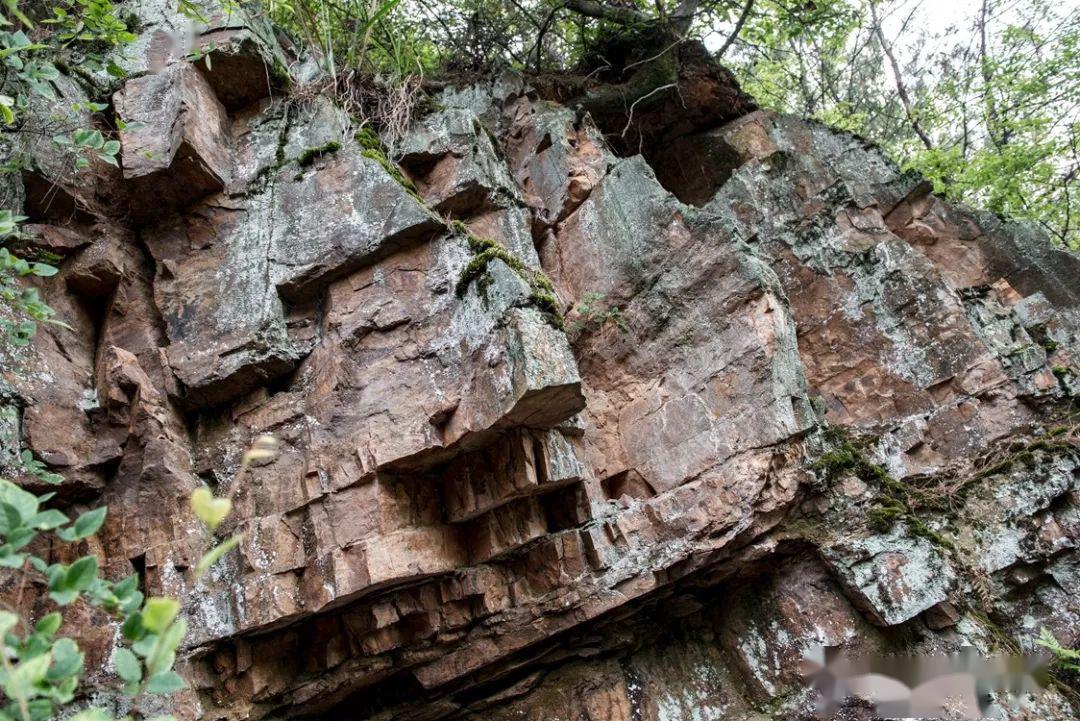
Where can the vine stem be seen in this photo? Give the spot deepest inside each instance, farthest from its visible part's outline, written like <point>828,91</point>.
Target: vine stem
<point>20,699</point>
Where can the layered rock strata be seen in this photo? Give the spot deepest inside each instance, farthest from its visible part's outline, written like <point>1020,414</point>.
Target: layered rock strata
<point>563,434</point>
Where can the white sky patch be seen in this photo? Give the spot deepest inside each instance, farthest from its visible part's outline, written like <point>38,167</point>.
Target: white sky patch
<point>942,18</point>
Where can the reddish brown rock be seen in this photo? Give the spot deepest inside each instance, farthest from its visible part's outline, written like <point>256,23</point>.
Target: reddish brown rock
<point>176,145</point>
<point>685,423</point>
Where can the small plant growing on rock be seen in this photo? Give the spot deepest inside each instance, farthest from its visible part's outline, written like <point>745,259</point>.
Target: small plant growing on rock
<point>1067,659</point>
<point>592,314</point>
<point>24,306</point>
<point>42,668</point>
<point>485,250</point>
<point>895,502</point>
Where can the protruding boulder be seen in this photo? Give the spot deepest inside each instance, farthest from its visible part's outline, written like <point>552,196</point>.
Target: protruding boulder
<point>227,267</point>
<point>893,578</point>
<point>176,146</point>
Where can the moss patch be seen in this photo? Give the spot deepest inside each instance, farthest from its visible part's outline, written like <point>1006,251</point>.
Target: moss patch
<point>310,155</point>
<point>371,147</point>
<point>368,139</point>
<point>394,172</point>
<point>541,291</point>
<point>893,503</point>
<point>1025,454</point>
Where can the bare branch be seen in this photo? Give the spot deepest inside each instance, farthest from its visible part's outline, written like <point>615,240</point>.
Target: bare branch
<point>738,28</point>
<point>603,11</point>
<point>901,88</point>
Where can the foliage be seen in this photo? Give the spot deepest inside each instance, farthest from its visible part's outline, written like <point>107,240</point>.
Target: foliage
<point>24,303</point>
<point>344,33</point>
<point>1019,155</point>
<point>42,667</point>
<point>1067,658</point>
<point>592,314</point>
<point>73,30</point>
<point>41,670</point>
<point>988,110</point>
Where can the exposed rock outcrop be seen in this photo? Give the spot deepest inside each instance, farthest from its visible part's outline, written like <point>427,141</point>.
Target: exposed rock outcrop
<point>564,434</point>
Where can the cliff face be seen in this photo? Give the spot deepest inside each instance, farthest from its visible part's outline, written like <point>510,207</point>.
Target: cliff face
<point>800,401</point>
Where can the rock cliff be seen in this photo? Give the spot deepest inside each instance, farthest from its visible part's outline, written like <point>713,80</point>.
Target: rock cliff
<point>567,430</point>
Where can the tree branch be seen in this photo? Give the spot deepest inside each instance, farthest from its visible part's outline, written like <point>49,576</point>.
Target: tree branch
<point>683,16</point>
<point>738,28</point>
<point>898,77</point>
<point>602,11</point>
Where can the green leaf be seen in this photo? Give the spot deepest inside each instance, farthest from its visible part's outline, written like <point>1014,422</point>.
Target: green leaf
<point>67,660</point>
<point>130,603</point>
<point>85,525</point>
<point>215,555</point>
<point>67,586</point>
<point>47,520</point>
<point>49,624</point>
<point>20,537</point>
<point>41,709</point>
<point>165,682</point>
<point>9,559</point>
<point>43,270</point>
<point>10,517</point>
<point>158,613</point>
<point>47,71</point>
<point>43,88</point>
<point>163,655</point>
<point>145,645</point>
<point>133,627</point>
<point>89,138</point>
<point>211,511</point>
<point>19,15</point>
<point>82,573</point>
<point>22,679</point>
<point>126,586</point>
<point>25,504</point>
<point>127,665</point>
<point>63,597</point>
<point>8,621</point>
<point>173,636</point>
<point>22,48</point>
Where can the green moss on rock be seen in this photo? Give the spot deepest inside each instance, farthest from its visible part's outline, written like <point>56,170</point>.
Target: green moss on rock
<point>541,290</point>
<point>371,147</point>
<point>393,171</point>
<point>892,504</point>
<point>368,139</point>
<point>310,155</point>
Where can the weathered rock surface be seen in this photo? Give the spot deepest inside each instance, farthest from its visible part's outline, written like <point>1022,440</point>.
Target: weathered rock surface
<point>621,444</point>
